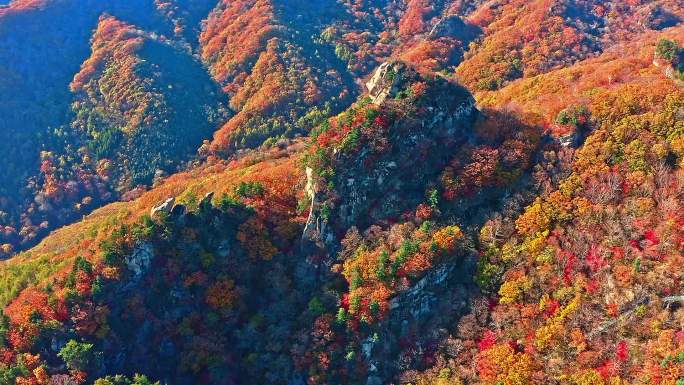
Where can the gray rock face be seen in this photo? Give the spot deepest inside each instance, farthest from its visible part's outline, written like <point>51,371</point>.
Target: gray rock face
<point>383,83</point>
<point>431,306</point>
<point>670,72</point>
<point>140,259</point>
<point>569,140</point>
<point>420,299</point>
<point>315,227</point>
<point>453,26</point>
<point>164,207</point>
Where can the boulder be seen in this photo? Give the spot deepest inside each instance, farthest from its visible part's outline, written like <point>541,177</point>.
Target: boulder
<point>164,207</point>
<point>205,203</point>
<point>383,83</point>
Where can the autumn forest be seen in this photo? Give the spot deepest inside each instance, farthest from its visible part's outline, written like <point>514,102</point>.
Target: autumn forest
<point>333,192</point>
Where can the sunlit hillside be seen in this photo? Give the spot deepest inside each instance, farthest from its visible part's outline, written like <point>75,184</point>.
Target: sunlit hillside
<point>375,192</point>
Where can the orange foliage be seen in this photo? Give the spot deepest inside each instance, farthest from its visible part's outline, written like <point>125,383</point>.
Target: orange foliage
<point>447,238</point>
<point>377,274</point>
<point>527,38</point>
<point>415,18</point>
<point>432,55</point>
<point>254,238</point>
<point>221,295</point>
<point>111,36</point>
<point>236,32</point>
<point>502,364</point>
<point>31,302</point>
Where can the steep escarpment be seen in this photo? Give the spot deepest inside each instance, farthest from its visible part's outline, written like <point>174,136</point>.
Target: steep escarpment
<point>408,263</point>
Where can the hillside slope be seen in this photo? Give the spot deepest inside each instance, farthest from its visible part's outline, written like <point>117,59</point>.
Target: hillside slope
<point>255,231</point>
<point>484,192</point>
<point>49,129</point>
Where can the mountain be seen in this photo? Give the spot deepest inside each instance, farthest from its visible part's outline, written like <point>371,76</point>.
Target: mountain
<point>342,192</point>
<point>49,126</point>
<point>269,67</point>
<point>130,102</point>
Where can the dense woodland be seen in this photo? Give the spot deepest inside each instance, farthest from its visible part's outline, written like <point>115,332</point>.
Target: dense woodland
<point>342,192</point>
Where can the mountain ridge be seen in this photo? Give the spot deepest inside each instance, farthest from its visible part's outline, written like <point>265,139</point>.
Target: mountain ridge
<point>391,192</point>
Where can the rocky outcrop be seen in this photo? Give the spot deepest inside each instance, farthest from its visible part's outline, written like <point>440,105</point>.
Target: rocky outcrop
<point>573,139</point>
<point>205,204</point>
<point>423,313</point>
<point>163,207</point>
<point>138,262</point>
<point>454,27</point>
<point>383,83</point>
<point>420,145</point>
<point>419,300</point>
<point>315,230</point>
